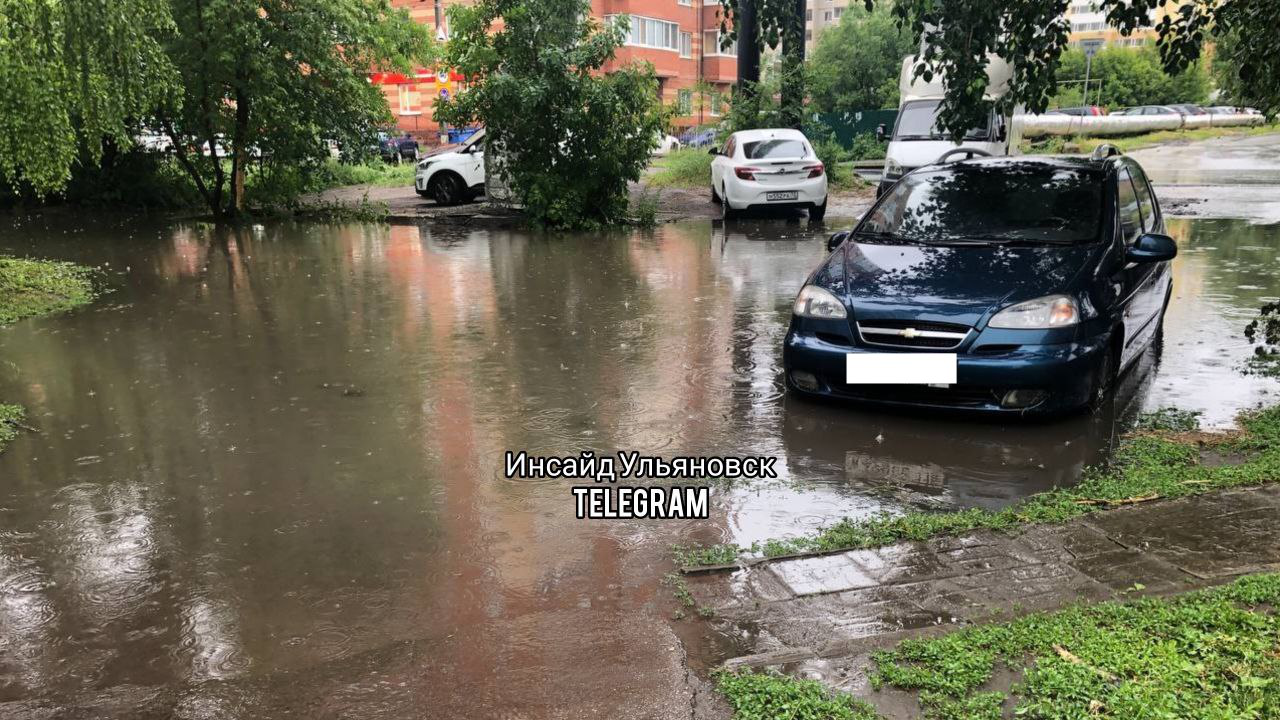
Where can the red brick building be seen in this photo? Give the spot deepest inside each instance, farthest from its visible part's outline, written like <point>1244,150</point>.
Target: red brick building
<point>679,37</point>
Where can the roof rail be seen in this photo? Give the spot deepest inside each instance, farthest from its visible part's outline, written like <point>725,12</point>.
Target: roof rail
<point>1104,151</point>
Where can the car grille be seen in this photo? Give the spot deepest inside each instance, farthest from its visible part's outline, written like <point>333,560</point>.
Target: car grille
<point>954,396</point>
<point>913,334</point>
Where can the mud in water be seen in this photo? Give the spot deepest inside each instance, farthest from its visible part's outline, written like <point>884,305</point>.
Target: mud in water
<point>268,480</point>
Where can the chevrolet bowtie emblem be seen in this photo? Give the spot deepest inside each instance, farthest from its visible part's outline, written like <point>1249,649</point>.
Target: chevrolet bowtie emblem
<point>909,333</point>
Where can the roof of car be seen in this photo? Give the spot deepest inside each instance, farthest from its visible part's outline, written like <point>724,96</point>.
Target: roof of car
<point>1083,164</point>
<point>749,135</point>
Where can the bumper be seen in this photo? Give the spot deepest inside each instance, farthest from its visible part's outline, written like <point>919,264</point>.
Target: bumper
<point>1063,372</point>
<point>743,194</point>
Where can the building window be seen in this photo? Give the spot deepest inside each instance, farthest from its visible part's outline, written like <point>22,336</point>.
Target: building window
<point>716,105</point>
<point>808,35</point>
<point>686,3</point>
<point>808,14</point>
<point>684,102</point>
<point>651,33</point>
<point>826,16</point>
<point>711,45</point>
<point>686,44</point>
<point>406,100</point>
<point>838,11</point>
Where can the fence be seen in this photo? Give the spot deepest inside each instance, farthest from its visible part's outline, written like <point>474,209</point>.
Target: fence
<point>847,125</point>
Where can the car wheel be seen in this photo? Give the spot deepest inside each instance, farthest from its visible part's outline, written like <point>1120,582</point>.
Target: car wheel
<point>726,211</point>
<point>715,196</point>
<point>1104,380</point>
<point>446,189</point>
<point>817,212</point>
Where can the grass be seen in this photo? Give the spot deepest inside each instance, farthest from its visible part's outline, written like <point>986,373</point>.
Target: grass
<point>1211,653</point>
<point>687,168</point>
<point>38,287</point>
<point>1075,144</point>
<point>383,174</point>
<point>11,417</point>
<point>1206,654</point>
<point>1147,466</point>
<point>1169,419</point>
<point>768,696</point>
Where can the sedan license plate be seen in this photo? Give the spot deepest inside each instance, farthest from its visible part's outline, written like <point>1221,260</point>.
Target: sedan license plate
<point>900,368</point>
<point>783,195</point>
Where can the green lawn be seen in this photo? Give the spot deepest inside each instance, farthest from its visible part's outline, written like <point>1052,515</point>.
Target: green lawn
<point>1075,144</point>
<point>1212,654</point>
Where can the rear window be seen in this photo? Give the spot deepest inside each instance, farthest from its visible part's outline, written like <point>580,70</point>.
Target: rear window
<point>1031,202</point>
<point>773,148</point>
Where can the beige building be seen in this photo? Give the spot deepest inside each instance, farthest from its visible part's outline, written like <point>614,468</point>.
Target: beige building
<point>818,16</point>
<point>1089,25</point>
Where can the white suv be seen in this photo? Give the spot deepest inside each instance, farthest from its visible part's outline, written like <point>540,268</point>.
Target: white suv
<point>453,176</point>
<point>775,167</point>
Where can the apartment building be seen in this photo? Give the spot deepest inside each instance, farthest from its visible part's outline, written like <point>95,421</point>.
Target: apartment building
<point>1089,26</point>
<point>818,16</point>
<point>680,38</point>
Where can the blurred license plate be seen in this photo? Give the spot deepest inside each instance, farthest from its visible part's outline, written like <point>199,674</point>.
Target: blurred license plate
<point>900,368</point>
<point>787,195</point>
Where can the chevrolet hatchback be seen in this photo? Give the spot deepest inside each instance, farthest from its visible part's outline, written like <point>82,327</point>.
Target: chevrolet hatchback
<point>1007,285</point>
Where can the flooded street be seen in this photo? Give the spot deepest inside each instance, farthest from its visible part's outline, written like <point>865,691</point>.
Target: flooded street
<point>269,480</point>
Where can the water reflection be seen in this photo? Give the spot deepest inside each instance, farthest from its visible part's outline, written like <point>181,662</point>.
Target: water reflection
<point>268,479</point>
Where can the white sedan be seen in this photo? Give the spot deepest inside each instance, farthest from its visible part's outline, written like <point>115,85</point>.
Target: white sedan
<point>758,168</point>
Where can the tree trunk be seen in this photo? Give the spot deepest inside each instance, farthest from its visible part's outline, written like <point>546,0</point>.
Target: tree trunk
<point>744,21</point>
<point>239,152</point>
<point>793,86</point>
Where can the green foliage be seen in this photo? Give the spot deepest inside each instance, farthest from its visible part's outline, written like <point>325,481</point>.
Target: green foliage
<point>687,168</point>
<point>768,696</point>
<point>644,211</point>
<point>1264,330</point>
<point>72,71</point>
<point>696,556</point>
<point>1169,419</point>
<point>1247,59</point>
<point>29,288</point>
<point>11,417</point>
<point>1144,467</point>
<point>855,64</point>
<point>1130,76</point>
<point>865,146</point>
<point>1206,654</point>
<point>570,137</point>
<point>270,82</point>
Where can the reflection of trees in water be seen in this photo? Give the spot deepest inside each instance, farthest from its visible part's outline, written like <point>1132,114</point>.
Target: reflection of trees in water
<point>1243,254</point>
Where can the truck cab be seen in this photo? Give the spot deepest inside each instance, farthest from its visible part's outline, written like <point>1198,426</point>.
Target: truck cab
<point>916,140</point>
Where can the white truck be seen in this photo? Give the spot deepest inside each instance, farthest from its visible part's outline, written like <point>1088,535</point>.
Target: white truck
<point>916,140</point>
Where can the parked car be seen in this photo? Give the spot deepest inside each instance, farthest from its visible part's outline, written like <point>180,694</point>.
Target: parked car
<point>666,144</point>
<point>1147,110</point>
<point>1189,109</point>
<point>397,148</point>
<point>1014,285</point>
<point>453,174</point>
<point>776,167</point>
<point>1081,110</point>
<point>698,137</point>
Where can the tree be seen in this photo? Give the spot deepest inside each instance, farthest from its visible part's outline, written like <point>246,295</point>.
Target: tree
<point>958,36</point>
<point>1120,77</point>
<point>274,80</point>
<point>569,136</point>
<point>73,70</point>
<point>855,65</point>
<point>777,22</point>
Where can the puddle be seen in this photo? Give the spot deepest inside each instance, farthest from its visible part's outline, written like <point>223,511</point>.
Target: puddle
<point>273,458</point>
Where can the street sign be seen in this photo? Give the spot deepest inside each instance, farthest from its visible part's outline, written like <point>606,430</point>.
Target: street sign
<point>1091,47</point>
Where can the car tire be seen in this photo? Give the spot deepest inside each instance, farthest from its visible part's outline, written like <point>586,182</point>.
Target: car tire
<point>817,212</point>
<point>1104,380</point>
<point>715,196</point>
<point>446,188</point>
<point>726,210</point>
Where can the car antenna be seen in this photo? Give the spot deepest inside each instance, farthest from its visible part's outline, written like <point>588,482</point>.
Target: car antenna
<point>1104,151</point>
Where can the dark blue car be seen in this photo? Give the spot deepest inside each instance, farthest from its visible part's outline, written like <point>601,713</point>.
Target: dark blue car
<point>1033,281</point>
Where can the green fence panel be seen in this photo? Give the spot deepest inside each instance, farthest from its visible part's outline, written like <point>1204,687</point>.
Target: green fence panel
<point>848,124</point>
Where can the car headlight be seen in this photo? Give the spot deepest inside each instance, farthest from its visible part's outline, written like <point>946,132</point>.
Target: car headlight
<point>814,302</point>
<point>892,168</point>
<point>422,164</point>
<point>1051,311</point>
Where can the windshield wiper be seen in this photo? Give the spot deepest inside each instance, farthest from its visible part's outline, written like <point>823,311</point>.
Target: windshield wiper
<point>885,237</point>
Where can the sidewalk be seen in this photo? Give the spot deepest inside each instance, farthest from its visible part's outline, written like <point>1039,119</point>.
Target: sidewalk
<point>821,616</point>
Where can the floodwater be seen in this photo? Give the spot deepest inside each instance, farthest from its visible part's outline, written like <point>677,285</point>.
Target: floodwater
<point>268,476</point>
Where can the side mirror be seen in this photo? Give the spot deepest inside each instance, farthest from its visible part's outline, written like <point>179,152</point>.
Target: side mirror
<point>881,131</point>
<point>1152,247</point>
<point>713,150</point>
<point>837,239</point>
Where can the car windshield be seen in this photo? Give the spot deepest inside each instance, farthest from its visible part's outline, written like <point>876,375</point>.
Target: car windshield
<point>917,122</point>
<point>773,148</point>
<point>1001,203</point>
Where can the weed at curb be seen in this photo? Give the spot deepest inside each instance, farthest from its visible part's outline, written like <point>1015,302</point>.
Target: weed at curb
<point>11,417</point>
<point>769,696</point>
